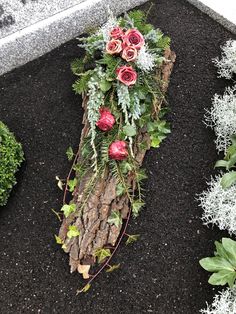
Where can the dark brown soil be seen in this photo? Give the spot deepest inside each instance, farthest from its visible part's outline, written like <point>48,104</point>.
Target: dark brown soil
<point>160,273</point>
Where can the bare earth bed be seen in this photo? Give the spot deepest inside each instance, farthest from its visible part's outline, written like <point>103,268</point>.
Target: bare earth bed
<point>160,273</point>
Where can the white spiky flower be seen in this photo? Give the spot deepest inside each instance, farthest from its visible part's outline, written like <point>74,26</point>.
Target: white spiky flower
<point>219,205</point>
<point>223,303</point>
<point>227,64</point>
<point>108,26</point>
<point>222,117</point>
<point>145,60</point>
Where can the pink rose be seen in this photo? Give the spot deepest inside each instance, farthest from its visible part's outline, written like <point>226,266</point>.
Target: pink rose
<point>134,38</point>
<point>106,120</point>
<point>129,53</point>
<point>117,33</point>
<point>127,75</point>
<point>118,150</point>
<point>114,46</point>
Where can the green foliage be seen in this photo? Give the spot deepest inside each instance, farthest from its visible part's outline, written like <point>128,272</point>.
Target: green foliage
<point>132,238</point>
<point>102,254</point>
<point>72,184</point>
<point>81,85</point>
<point>115,219</point>
<point>129,130</point>
<point>68,209</point>
<point>120,189</point>
<point>111,64</point>
<point>11,157</point>
<point>223,264</point>
<point>58,240</point>
<point>72,232</point>
<point>112,268</point>
<point>158,131</point>
<point>77,66</point>
<point>228,163</point>
<point>138,18</point>
<point>69,153</point>
<point>136,207</point>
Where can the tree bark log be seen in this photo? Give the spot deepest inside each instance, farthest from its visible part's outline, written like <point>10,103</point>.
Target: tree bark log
<point>95,231</point>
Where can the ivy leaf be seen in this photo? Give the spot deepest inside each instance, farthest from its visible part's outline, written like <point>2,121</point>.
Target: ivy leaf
<point>105,85</point>
<point>72,184</point>
<point>112,268</point>
<point>58,240</point>
<point>73,232</point>
<point>132,238</point>
<point>69,153</point>
<point>120,189</point>
<point>68,209</point>
<point>136,207</point>
<point>84,289</point>
<point>129,130</point>
<point>228,179</point>
<point>115,219</point>
<point>101,254</point>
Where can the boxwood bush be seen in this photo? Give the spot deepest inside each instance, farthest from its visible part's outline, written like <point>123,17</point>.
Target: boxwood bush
<point>11,156</point>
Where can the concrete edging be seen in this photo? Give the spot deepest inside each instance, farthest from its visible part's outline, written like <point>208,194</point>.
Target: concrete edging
<point>43,36</point>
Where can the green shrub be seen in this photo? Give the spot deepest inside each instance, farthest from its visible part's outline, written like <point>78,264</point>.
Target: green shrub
<point>11,156</point>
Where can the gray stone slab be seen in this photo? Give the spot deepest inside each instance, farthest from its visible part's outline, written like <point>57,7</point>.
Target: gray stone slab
<point>215,15</point>
<point>30,28</point>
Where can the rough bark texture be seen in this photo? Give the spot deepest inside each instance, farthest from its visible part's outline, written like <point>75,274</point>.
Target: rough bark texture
<point>95,231</point>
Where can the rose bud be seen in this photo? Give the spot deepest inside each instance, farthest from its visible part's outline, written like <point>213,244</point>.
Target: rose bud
<point>117,33</point>
<point>129,53</point>
<point>106,120</point>
<point>134,38</point>
<point>118,150</point>
<point>114,46</point>
<point>127,75</point>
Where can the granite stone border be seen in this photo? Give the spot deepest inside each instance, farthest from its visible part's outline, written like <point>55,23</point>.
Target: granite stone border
<point>215,15</point>
<point>35,40</point>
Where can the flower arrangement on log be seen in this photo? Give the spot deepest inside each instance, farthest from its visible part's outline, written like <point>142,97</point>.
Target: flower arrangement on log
<point>123,78</point>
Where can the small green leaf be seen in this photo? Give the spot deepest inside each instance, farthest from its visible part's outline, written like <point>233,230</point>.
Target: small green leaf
<point>101,254</point>
<point>84,289</point>
<point>228,179</point>
<point>69,153</point>
<point>215,264</point>
<point>120,189</point>
<point>141,175</point>
<point>115,219</point>
<point>221,163</point>
<point>129,130</point>
<point>73,232</point>
<point>105,85</point>
<point>58,240</point>
<point>136,207</point>
<point>132,238</point>
<point>112,268</point>
<point>232,161</point>
<point>68,209</point>
<point>229,246</point>
<point>222,278</point>
<point>220,251</point>
<point>125,167</point>
<point>72,184</point>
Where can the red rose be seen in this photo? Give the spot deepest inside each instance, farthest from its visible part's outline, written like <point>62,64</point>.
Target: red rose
<point>127,75</point>
<point>134,38</point>
<point>118,150</point>
<point>106,120</point>
<point>129,53</point>
<point>114,46</point>
<point>117,33</point>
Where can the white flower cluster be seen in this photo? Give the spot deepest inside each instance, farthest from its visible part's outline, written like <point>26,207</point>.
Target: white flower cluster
<point>145,60</point>
<point>124,99</point>
<point>224,303</point>
<point>222,117</point>
<point>227,64</point>
<point>219,205</point>
<point>107,27</point>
